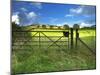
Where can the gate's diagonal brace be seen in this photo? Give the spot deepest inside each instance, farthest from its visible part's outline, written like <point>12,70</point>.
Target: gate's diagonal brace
<point>92,51</point>
<point>55,42</point>
<point>51,39</point>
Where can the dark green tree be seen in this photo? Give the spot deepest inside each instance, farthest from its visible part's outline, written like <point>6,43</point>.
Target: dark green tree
<point>51,26</point>
<point>59,27</point>
<point>15,26</point>
<point>93,26</point>
<point>66,26</point>
<point>43,26</point>
<point>76,26</point>
<point>38,26</point>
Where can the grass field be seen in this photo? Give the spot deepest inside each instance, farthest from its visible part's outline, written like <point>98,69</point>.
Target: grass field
<point>41,58</point>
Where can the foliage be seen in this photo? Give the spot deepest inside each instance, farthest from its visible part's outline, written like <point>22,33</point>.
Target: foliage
<point>66,26</point>
<point>51,26</point>
<point>15,27</point>
<point>43,26</point>
<point>93,26</point>
<point>17,33</point>
<point>59,27</point>
<point>76,26</point>
<point>89,28</point>
<point>38,26</point>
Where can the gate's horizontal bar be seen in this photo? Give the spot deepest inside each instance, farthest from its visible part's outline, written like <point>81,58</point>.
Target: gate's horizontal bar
<point>37,49</point>
<point>41,31</point>
<point>38,36</point>
<point>40,41</point>
<point>42,37</point>
<point>41,45</point>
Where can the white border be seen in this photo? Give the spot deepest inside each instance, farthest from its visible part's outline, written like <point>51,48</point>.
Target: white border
<point>86,2</point>
<point>5,37</point>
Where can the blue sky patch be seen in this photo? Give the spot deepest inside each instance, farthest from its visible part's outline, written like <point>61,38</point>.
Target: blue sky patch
<point>27,13</point>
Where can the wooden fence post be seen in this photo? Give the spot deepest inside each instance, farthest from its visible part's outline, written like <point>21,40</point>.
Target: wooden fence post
<point>77,36</point>
<point>71,37</point>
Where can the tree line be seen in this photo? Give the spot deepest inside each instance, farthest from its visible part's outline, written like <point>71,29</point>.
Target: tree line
<point>66,26</point>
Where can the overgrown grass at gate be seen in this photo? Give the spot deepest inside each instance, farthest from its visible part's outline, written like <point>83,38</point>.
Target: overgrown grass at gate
<point>30,60</point>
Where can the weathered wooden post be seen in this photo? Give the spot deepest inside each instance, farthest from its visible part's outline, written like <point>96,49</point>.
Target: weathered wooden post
<point>71,38</point>
<point>77,36</point>
<point>76,27</point>
<point>66,34</point>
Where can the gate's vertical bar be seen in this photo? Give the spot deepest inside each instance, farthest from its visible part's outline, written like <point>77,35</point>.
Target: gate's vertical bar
<point>39,40</point>
<point>71,38</point>
<point>76,37</point>
<point>68,40</point>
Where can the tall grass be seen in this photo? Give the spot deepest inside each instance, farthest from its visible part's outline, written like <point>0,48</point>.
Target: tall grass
<point>32,59</point>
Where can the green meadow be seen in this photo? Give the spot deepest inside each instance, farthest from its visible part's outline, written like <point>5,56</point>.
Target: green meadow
<point>27,57</point>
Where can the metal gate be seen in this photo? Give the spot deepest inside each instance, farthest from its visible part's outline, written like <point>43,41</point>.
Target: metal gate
<point>43,40</point>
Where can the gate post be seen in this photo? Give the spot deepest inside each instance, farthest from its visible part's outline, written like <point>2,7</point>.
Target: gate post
<point>77,36</point>
<point>71,37</point>
<point>39,40</point>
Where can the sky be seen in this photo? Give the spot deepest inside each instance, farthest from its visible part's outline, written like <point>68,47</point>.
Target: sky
<point>27,13</point>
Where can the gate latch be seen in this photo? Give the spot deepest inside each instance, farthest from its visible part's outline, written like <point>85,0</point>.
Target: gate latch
<point>66,34</point>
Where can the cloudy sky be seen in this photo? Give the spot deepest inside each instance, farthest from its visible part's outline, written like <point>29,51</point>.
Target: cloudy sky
<point>26,13</point>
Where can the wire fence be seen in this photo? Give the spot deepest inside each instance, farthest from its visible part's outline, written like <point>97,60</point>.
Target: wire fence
<point>88,39</point>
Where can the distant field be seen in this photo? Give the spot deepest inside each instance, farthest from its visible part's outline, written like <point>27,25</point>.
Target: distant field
<point>30,60</point>
<point>82,32</point>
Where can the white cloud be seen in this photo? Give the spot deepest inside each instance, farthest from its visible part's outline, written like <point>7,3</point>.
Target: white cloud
<point>24,18</point>
<point>83,10</point>
<point>23,9</point>
<point>74,11</point>
<point>37,4</point>
<point>83,24</point>
<point>15,18</point>
<point>77,10</point>
<point>53,20</point>
<point>29,18</point>
<point>69,15</point>
<point>61,24</point>
<point>31,15</point>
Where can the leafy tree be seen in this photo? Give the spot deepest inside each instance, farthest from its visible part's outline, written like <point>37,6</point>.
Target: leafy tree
<point>38,26</point>
<point>43,26</point>
<point>17,35</point>
<point>15,27</point>
<point>66,26</point>
<point>51,26</point>
<point>76,26</point>
<point>59,27</point>
<point>17,32</point>
<point>93,26</point>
